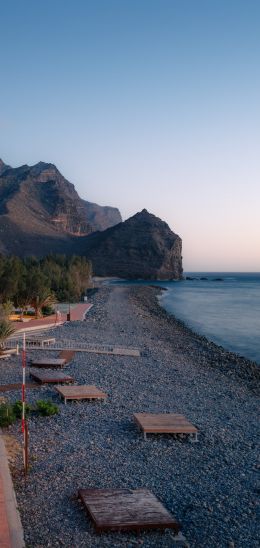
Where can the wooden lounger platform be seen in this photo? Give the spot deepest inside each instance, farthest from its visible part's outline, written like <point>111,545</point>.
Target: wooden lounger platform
<point>125,509</point>
<point>49,362</point>
<point>9,351</point>
<point>67,355</point>
<point>17,386</point>
<point>51,377</point>
<point>85,392</point>
<point>164,423</point>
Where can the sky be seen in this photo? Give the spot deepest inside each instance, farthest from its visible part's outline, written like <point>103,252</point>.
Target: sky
<point>143,104</point>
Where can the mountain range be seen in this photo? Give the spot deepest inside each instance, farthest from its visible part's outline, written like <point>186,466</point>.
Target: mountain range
<point>42,213</point>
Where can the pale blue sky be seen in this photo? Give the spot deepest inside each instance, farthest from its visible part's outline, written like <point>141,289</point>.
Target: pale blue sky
<point>143,103</point>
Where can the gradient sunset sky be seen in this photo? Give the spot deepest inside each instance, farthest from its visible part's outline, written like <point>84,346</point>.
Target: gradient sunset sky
<point>143,103</point>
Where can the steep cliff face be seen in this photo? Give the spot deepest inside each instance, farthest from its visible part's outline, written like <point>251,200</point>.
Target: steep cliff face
<point>37,202</point>
<point>3,167</point>
<point>101,217</point>
<point>40,199</point>
<point>141,247</point>
<point>41,213</point>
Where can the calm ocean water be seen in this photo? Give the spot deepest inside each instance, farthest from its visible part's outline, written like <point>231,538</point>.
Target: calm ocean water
<point>227,312</point>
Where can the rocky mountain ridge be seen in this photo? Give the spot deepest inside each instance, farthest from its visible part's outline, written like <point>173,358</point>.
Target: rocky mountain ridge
<point>40,196</point>
<point>141,247</point>
<point>41,213</point>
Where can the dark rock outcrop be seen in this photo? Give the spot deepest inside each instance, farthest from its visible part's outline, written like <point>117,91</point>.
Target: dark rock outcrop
<point>3,167</point>
<point>142,247</point>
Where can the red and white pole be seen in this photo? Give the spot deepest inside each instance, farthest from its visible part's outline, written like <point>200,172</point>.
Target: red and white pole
<point>23,383</point>
<point>24,421</point>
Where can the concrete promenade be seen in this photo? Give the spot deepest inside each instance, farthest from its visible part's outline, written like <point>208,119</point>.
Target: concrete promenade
<point>11,531</point>
<point>77,313</point>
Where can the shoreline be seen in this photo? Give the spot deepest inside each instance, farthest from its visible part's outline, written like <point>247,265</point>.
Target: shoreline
<point>208,486</point>
<point>245,368</point>
<point>224,346</point>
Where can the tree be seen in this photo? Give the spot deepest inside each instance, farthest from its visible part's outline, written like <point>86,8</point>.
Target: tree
<point>5,310</point>
<point>44,298</point>
<point>23,281</point>
<point>6,329</point>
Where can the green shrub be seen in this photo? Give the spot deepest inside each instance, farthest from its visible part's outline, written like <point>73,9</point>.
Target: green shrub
<point>48,310</point>
<point>47,408</point>
<point>18,407</point>
<point>29,313</point>
<point>6,329</point>
<point>7,415</point>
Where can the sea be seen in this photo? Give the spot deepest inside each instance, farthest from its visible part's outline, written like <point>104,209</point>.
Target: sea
<point>222,306</point>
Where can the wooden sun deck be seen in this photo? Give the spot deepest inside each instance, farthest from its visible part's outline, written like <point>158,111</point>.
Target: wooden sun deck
<point>17,386</point>
<point>67,355</point>
<point>51,377</point>
<point>165,423</point>
<point>49,362</point>
<point>85,392</point>
<point>125,509</point>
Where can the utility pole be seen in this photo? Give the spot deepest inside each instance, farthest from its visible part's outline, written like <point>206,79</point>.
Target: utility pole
<point>24,419</point>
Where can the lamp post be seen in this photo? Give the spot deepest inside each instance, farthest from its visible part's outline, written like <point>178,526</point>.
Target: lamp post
<point>68,315</point>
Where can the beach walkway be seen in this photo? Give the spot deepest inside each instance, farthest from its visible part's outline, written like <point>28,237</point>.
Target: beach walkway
<point>11,532</point>
<point>77,313</point>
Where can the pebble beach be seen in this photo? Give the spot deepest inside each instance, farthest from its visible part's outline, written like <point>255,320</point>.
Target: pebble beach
<point>210,487</point>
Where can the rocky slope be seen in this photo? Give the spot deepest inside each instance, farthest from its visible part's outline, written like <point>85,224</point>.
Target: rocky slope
<point>3,167</point>
<point>37,204</point>
<point>141,247</point>
<point>101,217</point>
<point>41,213</point>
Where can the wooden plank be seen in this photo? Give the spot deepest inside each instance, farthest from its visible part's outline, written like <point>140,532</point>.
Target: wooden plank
<point>125,509</point>
<point>17,386</point>
<point>167,423</point>
<point>67,355</point>
<point>49,362</point>
<point>83,392</point>
<point>8,351</point>
<point>51,377</point>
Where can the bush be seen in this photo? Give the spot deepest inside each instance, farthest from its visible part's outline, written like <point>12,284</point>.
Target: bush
<point>18,407</point>
<point>29,313</point>
<point>6,329</point>
<point>7,415</point>
<point>46,408</point>
<point>48,310</point>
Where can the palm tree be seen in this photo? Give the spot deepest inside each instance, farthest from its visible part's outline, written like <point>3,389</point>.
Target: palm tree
<point>44,298</point>
<point>6,329</point>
